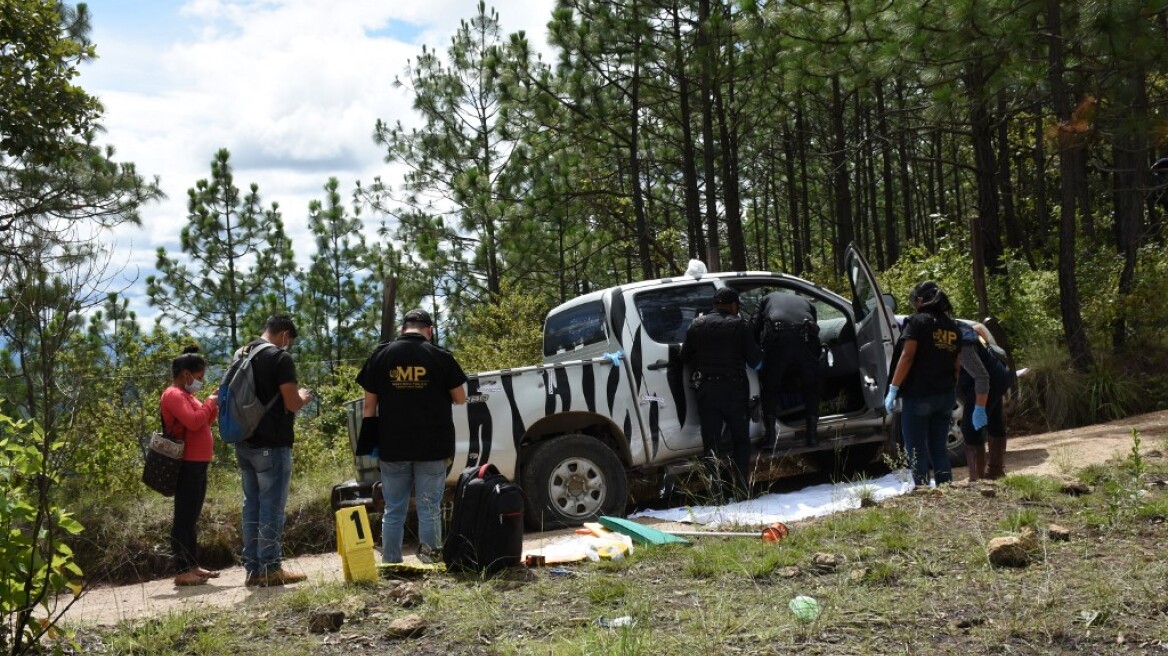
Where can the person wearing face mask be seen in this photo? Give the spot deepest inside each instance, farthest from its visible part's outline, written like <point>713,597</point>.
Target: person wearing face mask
<point>189,419</point>
<point>265,458</point>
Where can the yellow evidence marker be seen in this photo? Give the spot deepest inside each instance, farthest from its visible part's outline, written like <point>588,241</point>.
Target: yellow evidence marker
<point>355,544</point>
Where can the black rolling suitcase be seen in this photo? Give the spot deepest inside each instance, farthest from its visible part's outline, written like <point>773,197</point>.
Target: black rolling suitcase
<point>486,527</point>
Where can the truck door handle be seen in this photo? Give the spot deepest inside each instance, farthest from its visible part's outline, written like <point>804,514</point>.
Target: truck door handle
<point>660,364</point>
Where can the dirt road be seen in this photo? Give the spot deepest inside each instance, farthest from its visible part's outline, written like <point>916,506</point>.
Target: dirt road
<point>1052,454</point>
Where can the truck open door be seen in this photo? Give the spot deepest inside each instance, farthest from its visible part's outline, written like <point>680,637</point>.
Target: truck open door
<point>874,328</point>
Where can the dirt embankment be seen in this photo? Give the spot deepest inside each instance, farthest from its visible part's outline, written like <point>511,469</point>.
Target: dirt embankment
<point>1049,454</point>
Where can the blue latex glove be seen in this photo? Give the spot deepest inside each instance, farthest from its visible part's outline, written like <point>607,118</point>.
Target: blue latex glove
<point>890,400</point>
<point>375,453</point>
<point>615,358</point>
<point>980,418</point>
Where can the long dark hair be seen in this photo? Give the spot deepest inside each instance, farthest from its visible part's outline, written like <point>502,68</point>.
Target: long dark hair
<point>190,361</point>
<point>931,297</point>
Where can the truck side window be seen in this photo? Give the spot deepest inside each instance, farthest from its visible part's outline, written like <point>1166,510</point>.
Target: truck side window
<point>666,313</point>
<point>574,328</point>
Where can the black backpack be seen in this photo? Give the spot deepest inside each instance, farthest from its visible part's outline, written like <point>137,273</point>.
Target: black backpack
<point>486,527</point>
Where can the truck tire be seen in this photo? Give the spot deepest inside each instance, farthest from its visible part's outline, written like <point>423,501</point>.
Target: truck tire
<point>955,441</point>
<point>572,479</point>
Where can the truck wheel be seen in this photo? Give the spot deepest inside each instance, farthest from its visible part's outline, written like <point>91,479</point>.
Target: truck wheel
<point>570,480</point>
<point>955,440</point>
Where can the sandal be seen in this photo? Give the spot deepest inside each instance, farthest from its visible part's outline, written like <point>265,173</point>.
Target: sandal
<point>189,578</point>
<point>206,573</point>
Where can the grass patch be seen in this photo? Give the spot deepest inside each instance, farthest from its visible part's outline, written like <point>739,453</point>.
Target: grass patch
<point>1031,488</point>
<point>911,573</point>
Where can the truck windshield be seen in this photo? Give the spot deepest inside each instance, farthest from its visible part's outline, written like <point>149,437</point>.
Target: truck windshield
<point>574,328</point>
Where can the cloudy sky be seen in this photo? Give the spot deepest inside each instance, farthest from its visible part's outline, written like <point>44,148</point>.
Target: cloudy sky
<point>291,87</point>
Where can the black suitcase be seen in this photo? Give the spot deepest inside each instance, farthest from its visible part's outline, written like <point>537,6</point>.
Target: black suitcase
<point>486,526</point>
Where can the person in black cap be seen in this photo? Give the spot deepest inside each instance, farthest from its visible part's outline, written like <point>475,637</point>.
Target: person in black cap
<point>410,384</point>
<point>785,324</point>
<point>718,347</point>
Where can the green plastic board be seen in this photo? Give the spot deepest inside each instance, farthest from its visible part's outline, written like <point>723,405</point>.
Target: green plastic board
<point>640,533</point>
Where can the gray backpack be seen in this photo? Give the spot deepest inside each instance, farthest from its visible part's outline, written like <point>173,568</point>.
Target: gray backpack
<point>240,411</point>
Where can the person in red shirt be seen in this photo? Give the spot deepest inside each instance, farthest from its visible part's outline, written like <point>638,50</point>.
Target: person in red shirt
<point>189,419</point>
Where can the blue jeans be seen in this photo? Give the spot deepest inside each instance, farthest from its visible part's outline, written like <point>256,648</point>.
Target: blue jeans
<point>925,423</point>
<point>266,474</point>
<point>429,482</point>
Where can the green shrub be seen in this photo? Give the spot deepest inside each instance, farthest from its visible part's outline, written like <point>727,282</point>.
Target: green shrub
<point>35,562</point>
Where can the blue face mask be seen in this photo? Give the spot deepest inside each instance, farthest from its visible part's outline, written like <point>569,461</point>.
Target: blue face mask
<point>195,386</point>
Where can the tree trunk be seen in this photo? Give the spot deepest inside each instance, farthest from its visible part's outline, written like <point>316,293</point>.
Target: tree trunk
<point>1071,153</point>
<point>705,54</point>
<point>891,245</point>
<point>735,237</point>
<point>1130,153</point>
<point>641,222</point>
<point>841,191</point>
<point>798,241</point>
<point>689,169</point>
<point>906,181</point>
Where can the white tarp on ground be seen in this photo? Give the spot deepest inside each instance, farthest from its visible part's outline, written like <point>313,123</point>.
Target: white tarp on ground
<point>814,501</point>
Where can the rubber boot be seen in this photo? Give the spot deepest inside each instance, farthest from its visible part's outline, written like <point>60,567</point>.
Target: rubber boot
<point>770,439</point>
<point>975,461</point>
<point>997,463</point>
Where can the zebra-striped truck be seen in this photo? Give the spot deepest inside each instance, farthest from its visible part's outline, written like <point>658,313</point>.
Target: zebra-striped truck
<point>609,418</point>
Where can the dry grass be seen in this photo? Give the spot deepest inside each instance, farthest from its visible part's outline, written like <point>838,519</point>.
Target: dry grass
<point>913,577</point>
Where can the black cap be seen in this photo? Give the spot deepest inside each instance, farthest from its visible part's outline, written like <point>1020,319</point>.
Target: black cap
<point>417,316</point>
<point>725,296</point>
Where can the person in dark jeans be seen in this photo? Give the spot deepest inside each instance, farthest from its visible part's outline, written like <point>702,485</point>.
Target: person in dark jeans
<point>187,418</point>
<point>925,379</point>
<point>718,347</point>
<point>786,326</point>
<point>265,458</point>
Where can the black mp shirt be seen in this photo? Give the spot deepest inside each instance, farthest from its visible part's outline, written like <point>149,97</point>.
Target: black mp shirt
<point>412,379</point>
<point>938,346</point>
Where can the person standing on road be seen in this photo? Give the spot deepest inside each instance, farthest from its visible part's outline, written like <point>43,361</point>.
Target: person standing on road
<point>718,347</point>
<point>786,327</point>
<point>410,385</point>
<point>983,384</point>
<point>926,381</point>
<point>188,419</point>
<point>265,458</point>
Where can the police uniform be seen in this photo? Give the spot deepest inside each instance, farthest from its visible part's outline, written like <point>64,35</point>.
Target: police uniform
<point>785,325</point>
<point>718,347</point>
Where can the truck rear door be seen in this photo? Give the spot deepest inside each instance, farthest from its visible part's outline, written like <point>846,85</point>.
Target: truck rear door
<point>657,323</point>
<point>874,330</point>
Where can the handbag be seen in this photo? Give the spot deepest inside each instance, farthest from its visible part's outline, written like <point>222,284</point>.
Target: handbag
<point>164,459</point>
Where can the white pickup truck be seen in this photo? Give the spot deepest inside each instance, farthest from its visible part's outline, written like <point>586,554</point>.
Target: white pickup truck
<point>610,406</point>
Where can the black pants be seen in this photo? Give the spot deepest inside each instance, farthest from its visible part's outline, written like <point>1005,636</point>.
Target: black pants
<point>188,504</point>
<point>723,406</point>
<point>792,355</point>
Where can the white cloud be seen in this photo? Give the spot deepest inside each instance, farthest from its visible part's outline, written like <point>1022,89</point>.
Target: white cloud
<point>292,88</point>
